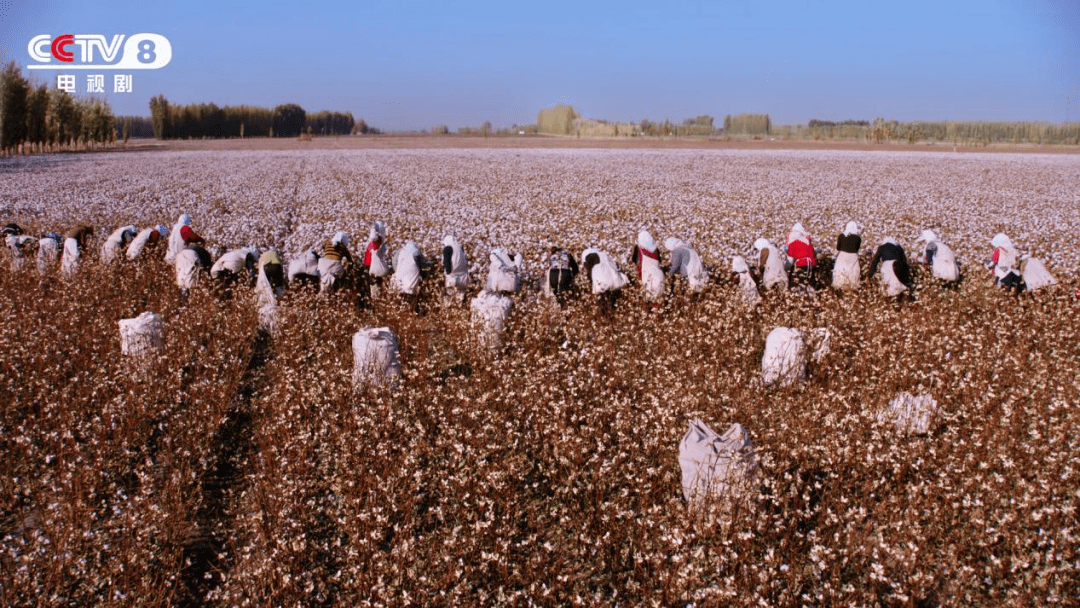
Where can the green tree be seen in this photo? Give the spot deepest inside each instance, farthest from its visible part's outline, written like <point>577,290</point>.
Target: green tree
<point>289,120</point>
<point>62,119</point>
<point>13,108</point>
<point>37,111</point>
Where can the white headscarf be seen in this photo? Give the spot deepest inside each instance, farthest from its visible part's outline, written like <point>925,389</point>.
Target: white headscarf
<point>449,241</point>
<point>798,233</point>
<point>928,236</point>
<point>646,241</point>
<point>851,228</point>
<point>671,243</point>
<point>378,230</point>
<point>340,238</point>
<point>1000,240</point>
<point>888,241</point>
<point>762,243</point>
<point>738,264</point>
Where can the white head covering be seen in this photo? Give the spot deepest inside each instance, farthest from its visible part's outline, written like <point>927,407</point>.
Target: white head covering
<point>378,230</point>
<point>185,220</point>
<point>449,241</point>
<point>1000,240</point>
<point>671,243</point>
<point>761,243</point>
<point>162,230</point>
<point>411,246</point>
<point>585,254</point>
<point>888,241</point>
<point>798,233</point>
<point>646,241</point>
<point>851,228</point>
<point>340,238</point>
<point>738,264</point>
<point>928,236</point>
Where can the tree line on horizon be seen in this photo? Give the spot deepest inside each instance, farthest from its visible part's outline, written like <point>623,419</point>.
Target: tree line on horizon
<point>208,120</point>
<point>37,119</point>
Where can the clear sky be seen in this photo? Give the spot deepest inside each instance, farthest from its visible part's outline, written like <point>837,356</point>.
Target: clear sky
<point>404,65</point>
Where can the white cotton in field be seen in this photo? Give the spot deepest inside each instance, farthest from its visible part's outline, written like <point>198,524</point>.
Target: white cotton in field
<point>911,413</point>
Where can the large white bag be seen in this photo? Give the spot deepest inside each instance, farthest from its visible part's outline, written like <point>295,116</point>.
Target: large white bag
<point>784,361</point>
<point>1035,274</point>
<point>503,274</point>
<point>716,467</point>
<point>188,266</point>
<point>375,357</point>
<point>141,335</point>
<point>911,413</point>
<point>489,313</point>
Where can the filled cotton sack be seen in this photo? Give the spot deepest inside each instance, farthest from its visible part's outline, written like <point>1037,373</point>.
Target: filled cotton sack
<point>716,467</point>
<point>489,313</point>
<point>375,357</point>
<point>141,335</point>
<point>785,358</point>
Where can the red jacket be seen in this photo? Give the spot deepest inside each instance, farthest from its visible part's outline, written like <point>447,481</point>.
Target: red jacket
<point>803,254</point>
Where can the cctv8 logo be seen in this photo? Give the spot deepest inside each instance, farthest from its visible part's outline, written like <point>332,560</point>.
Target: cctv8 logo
<point>146,52</point>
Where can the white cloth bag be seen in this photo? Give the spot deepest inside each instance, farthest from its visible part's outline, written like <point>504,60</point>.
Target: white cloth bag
<point>719,467</point>
<point>141,335</point>
<point>375,357</point>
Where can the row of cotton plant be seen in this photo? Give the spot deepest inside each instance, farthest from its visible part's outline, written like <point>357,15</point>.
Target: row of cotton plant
<point>233,467</point>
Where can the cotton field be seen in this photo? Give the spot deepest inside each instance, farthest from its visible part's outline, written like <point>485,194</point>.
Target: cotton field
<point>225,465</point>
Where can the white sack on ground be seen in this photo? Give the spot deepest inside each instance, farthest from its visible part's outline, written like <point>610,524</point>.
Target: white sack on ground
<point>1035,274</point>
<point>489,313</point>
<point>784,362</point>
<point>722,467</point>
<point>187,269</point>
<point>911,413</point>
<point>375,357</point>
<point>141,335</point>
<point>846,271</point>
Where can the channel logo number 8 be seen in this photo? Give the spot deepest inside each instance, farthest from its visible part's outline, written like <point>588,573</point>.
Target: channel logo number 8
<point>146,52</point>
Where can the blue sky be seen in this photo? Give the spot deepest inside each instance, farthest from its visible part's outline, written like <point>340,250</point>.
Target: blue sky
<point>409,65</point>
